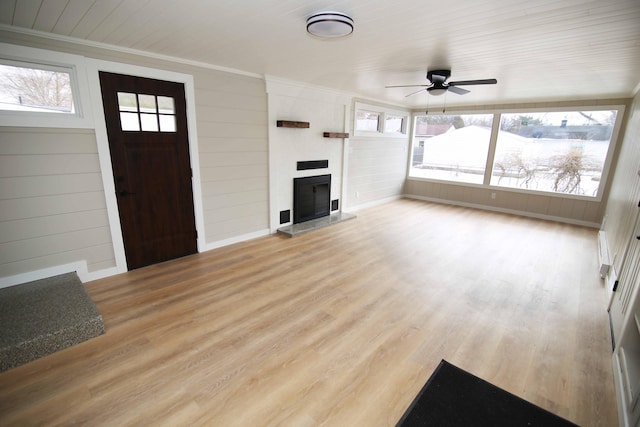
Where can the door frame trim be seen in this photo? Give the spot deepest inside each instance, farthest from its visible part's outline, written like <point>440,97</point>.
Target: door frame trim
<point>94,66</point>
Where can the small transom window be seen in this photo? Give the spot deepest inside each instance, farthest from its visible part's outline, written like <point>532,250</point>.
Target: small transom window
<point>31,89</point>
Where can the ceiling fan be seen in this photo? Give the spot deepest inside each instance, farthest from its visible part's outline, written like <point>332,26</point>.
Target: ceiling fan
<point>438,84</point>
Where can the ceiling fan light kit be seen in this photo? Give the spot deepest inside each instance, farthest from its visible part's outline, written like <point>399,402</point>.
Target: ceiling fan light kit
<point>329,24</point>
<point>437,91</point>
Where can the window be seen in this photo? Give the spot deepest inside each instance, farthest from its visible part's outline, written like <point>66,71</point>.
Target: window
<point>148,113</point>
<point>27,88</point>
<point>451,147</point>
<point>41,88</point>
<point>368,121</point>
<point>376,121</point>
<point>394,124</point>
<point>561,152</point>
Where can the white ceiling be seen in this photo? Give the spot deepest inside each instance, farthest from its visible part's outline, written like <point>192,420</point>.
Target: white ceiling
<point>538,50</point>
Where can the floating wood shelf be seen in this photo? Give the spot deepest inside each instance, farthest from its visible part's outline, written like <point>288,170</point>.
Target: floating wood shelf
<point>290,124</point>
<point>336,134</point>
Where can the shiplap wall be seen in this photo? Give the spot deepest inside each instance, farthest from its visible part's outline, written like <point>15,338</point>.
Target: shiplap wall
<point>231,111</point>
<point>377,169</point>
<point>52,205</point>
<point>233,143</point>
<point>377,166</point>
<point>624,195</point>
<point>325,111</point>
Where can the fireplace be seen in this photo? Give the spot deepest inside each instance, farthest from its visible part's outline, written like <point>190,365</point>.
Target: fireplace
<point>311,197</point>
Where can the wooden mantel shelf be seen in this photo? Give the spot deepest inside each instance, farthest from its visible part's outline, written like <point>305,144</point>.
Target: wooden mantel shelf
<point>291,124</point>
<point>336,134</point>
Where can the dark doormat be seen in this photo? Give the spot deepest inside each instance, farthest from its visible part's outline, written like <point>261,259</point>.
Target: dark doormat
<point>45,316</point>
<point>453,397</point>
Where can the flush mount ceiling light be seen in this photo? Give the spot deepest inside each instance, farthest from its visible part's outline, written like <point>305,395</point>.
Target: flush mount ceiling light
<point>329,24</point>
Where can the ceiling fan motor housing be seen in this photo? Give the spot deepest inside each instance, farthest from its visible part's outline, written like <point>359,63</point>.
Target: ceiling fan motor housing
<point>438,76</point>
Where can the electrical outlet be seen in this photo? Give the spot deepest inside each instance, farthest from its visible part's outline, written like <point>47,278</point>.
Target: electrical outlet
<point>357,194</point>
<point>493,196</point>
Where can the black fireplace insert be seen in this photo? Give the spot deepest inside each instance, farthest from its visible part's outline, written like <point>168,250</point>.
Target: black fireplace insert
<point>311,197</point>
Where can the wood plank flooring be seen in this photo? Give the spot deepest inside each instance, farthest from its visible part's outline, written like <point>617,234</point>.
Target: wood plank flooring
<point>338,327</point>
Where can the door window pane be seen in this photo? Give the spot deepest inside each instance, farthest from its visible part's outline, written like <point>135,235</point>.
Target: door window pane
<point>147,103</point>
<point>451,147</point>
<point>127,101</point>
<point>561,152</point>
<point>167,123</point>
<point>165,105</point>
<point>129,121</point>
<point>148,113</point>
<point>149,122</point>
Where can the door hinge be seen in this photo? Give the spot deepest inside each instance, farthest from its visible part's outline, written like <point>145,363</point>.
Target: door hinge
<point>615,286</point>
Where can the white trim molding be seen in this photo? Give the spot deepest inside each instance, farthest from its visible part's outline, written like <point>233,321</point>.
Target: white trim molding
<point>79,267</point>
<point>503,210</point>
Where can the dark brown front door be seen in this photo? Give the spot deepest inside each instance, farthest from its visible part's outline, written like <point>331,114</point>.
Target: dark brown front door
<point>147,130</point>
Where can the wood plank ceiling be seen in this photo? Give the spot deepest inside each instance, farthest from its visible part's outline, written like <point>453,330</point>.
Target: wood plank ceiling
<point>539,51</point>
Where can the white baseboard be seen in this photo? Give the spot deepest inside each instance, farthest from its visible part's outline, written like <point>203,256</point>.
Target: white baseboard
<point>79,267</point>
<point>236,239</point>
<point>507,211</point>
<point>85,276</point>
<point>356,208</point>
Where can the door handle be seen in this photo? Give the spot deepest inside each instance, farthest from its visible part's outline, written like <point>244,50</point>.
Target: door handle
<point>124,193</point>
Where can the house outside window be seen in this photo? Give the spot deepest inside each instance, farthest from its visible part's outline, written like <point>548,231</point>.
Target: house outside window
<point>451,147</point>
<point>562,151</point>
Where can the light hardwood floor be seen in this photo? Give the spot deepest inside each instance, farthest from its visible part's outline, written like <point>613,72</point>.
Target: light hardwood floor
<point>338,327</point>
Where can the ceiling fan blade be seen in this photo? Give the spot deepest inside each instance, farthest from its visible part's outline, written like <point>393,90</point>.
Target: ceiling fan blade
<point>457,90</point>
<point>474,82</point>
<point>415,93</point>
<point>407,86</point>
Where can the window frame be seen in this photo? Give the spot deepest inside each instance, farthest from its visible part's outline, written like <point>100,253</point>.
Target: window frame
<point>383,114</point>
<point>497,119</point>
<point>28,57</point>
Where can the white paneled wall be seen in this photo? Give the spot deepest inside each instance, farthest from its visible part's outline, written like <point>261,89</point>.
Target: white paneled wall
<point>52,205</point>
<point>326,111</point>
<point>625,189</point>
<point>53,215</point>
<point>232,140</point>
<point>377,169</point>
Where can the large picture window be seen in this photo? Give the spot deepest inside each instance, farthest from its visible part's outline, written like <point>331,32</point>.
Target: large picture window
<point>562,152</point>
<point>451,147</point>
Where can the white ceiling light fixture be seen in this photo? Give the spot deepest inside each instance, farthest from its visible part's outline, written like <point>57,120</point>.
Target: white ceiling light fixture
<point>437,91</point>
<point>329,24</point>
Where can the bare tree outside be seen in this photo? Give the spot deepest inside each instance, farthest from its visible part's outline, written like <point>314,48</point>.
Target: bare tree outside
<point>34,87</point>
<point>568,169</point>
